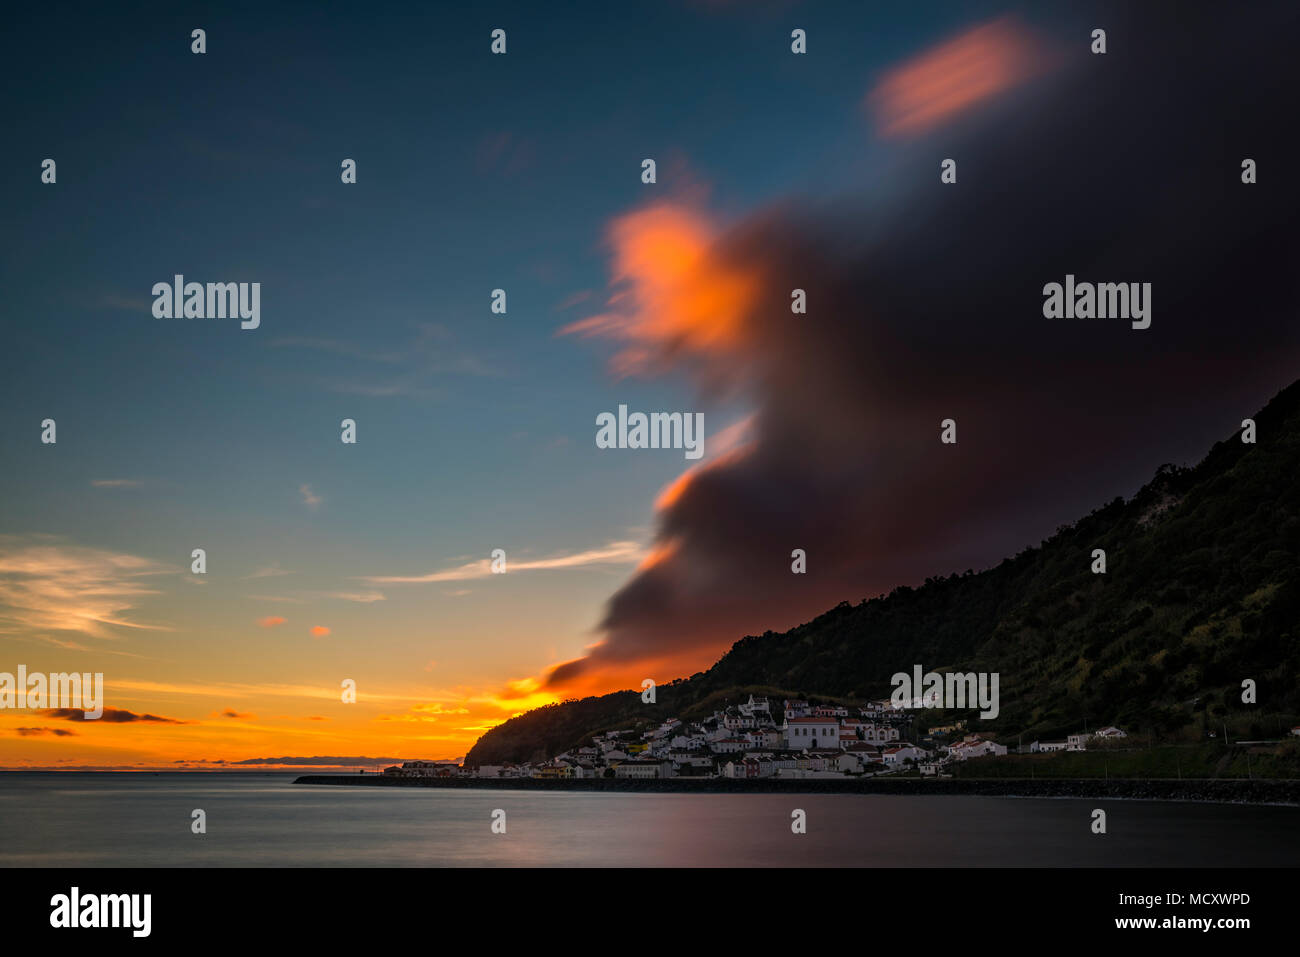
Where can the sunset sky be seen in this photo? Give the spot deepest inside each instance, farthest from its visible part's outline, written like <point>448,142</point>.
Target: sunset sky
<point>328,561</point>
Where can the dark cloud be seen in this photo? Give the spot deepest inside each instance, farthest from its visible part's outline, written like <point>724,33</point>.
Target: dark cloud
<point>925,302</point>
<point>33,732</point>
<point>319,760</point>
<point>110,716</point>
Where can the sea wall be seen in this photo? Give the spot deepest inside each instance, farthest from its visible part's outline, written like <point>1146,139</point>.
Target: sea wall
<point>1214,790</point>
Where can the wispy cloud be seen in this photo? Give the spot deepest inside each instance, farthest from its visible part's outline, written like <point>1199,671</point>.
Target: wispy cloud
<point>309,498</point>
<point>423,713</point>
<point>47,584</point>
<point>949,79</point>
<point>125,303</point>
<point>303,597</point>
<point>613,553</point>
<point>78,646</point>
<point>237,690</point>
<point>271,621</point>
<point>412,368</point>
<point>319,761</point>
<point>505,153</point>
<point>364,597</point>
<point>269,571</point>
<point>573,299</point>
<point>116,483</point>
<point>339,348</point>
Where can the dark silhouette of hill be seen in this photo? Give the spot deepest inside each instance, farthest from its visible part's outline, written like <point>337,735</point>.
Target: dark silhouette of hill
<point>1202,591</point>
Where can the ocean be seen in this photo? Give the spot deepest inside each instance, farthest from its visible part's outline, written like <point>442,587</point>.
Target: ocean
<point>73,819</point>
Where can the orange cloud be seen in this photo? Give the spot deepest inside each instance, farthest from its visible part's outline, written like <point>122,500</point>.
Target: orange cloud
<point>271,621</point>
<point>320,631</point>
<point>674,294</point>
<point>623,676</point>
<point>726,448</point>
<point>661,553</point>
<point>951,78</point>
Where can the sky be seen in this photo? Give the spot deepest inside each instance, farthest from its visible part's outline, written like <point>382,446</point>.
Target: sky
<point>475,431</point>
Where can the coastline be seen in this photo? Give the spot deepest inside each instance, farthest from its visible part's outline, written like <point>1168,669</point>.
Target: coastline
<point>1279,792</point>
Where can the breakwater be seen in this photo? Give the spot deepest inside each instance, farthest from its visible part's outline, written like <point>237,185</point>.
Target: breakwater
<point>1217,790</point>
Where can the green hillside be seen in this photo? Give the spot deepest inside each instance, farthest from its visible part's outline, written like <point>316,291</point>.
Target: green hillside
<point>1202,590</point>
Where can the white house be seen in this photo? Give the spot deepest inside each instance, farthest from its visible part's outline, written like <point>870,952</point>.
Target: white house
<point>693,759</point>
<point>794,708</point>
<point>896,756</point>
<point>1044,746</point>
<point>848,762</point>
<point>732,745</point>
<point>830,711</point>
<point>639,769</point>
<point>430,769</point>
<point>735,721</point>
<point>865,753</point>
<point>879,734</point>
<point>975,749</point>
<point>803,733</point>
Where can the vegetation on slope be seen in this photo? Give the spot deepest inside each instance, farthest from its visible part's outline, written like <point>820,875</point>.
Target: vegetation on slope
<point>1202,591</point>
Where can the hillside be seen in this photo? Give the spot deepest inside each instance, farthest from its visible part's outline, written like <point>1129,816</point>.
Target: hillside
<point>1202,590</point>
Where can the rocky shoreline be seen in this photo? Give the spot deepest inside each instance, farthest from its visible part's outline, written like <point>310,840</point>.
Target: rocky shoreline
<point>1221,791</point>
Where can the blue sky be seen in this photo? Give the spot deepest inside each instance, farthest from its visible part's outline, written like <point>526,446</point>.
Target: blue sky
<point>475,431</point>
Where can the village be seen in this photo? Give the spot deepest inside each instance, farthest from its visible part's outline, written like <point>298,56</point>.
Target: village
<point>747,741</point>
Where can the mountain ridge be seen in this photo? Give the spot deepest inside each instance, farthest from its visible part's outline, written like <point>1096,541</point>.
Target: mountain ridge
<point>1202,585</point>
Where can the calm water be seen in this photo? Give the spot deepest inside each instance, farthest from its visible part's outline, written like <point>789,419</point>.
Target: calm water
<point>76,820</point>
